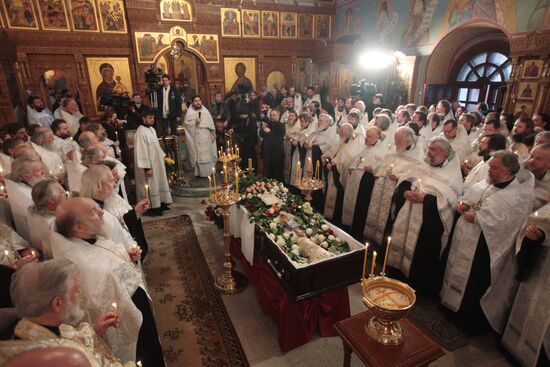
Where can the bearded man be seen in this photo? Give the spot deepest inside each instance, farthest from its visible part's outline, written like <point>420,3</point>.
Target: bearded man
<point>458,138</point>
<point>361,181</point>
<point>487,145</point>
<point>273,134</point>
<point>71,114</point>
<point>424,200</point>
<point>539,165</point>
<point>63,141</point>
<point>200,136</point>
<point>37,113</point>
<point>478,283</point>
<point>522,128</point>
<point>42,142</point>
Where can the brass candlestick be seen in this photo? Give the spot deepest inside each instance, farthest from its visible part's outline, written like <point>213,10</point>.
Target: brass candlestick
<point>229,281</point>
<point>308,184</point>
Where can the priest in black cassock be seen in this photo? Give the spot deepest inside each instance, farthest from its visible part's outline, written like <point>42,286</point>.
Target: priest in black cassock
<point>246,136</point>
<point>273,134</point>
<point>479,279</point>
<point>425,199</point>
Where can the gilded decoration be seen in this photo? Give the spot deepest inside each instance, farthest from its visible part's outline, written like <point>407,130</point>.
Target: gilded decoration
<point>206,45</point>
<point>149,44</point>
<point>270,24</point>
<point>322,26</point>
<point>239,71</point>
<point>305,25</point>
<point>288,25</point>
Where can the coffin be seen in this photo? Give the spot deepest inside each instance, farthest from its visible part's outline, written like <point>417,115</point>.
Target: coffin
<point>305,281</point>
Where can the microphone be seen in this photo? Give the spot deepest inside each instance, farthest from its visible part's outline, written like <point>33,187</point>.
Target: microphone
<point>200,114</point>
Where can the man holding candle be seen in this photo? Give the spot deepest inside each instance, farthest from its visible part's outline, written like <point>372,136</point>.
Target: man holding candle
<point>424,202</point>
<point>479,277</point>
<point>149,167</point>
<point>273,134</point>
<point>200,137</point>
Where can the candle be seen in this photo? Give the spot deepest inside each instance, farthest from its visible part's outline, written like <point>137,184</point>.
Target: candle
<point>536,218</point>
<point>238,153</point>
<point>214,178</point>
<point>67,194</point>
<point>250,164</point>
<point>146,191</point>
<point>417,188</point>
<point>317,169</point>
<point>115,309</point>
<point>372,265</point>
<point>1,169</point>
<point>391,168</point>
<point>386,257</point>
<point>135,248</point>
<point>7,256</point>
<point>298,170</point>
<point>210,185</point>
<point>365,261</point>
<point>309,164</point>
<point>116,135</point>
<point>33,253</point>
<point>237,182</point>
<point>139,364</point>
<point>225,173</point>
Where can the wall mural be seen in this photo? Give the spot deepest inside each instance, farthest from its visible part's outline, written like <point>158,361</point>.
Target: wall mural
<point>288,25</point>
<point>250,22</point>
<point>149,44</point>
<point>176,11</point>
<point>83,15</point>
<point>305,25</point>
<point>20,14</point>
<point>231,22</point>
<point>206,45</point>
<point>109,75</point>
<point>53,15</point>
<point>113,18</point>
<point>270,24</point>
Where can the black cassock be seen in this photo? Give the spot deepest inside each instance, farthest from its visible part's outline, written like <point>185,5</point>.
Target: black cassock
<point>362,203</point>
<point>247,138</point>
<point>339,202</point>
<point>136,230</point>
<point>272,151</point>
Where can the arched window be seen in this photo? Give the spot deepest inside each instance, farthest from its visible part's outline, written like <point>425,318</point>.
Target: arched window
<point>483,78</point>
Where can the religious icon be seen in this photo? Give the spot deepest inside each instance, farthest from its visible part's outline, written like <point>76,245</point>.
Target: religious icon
<point>532,69</point>
<point>305,25</point>
<point>322,26</point>
<point>175,10</point>
<point>109,75</point>
<point>523,109</point>
<point>149,44</point>
<point>240,74</point>
<point>305,73</point>
<point>250,23</point>
<point>53,15</point>
<point>270,24</point>
<point>83,15</point>
<point>288,25</point>
<point>231,22</point>
<point>527,90</point>
<point>111,13</point>
<point>20,14</point>
<point>206,45</point>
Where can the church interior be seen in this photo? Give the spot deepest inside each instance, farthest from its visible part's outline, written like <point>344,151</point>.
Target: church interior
<point>274,183</point>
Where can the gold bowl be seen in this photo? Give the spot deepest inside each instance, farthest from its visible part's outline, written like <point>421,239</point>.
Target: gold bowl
<point>389,300</point>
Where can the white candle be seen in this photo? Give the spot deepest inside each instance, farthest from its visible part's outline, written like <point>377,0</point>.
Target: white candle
<point>146,191</point>
<point>115,309</point>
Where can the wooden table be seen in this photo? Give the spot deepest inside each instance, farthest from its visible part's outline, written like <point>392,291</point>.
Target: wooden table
<point>416,350</point>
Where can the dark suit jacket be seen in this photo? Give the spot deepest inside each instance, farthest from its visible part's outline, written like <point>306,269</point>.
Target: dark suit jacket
<point>174,102</point>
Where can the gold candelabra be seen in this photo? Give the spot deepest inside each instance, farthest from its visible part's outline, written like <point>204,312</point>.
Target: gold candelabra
<point>229,281</point>
<point>309,183</point>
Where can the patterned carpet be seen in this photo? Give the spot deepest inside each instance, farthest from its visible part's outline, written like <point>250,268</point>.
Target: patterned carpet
<point>194,326</point>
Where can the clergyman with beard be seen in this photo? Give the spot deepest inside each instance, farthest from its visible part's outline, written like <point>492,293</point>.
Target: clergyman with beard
<point>487,145</point>
<point>200,136</point>
<point>46,297</point>
<point>273,134</point>
<point>37,113</point>
<point>522,128</point>
<point>63,142</point>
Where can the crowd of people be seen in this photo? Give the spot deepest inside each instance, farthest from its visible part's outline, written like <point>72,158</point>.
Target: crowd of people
<point>460,196</point>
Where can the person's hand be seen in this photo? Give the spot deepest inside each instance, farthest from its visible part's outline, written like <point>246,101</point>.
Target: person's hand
<point>469,216</point>
<point>329,166</point>
<point>462,207</point>
<point>105,321</point>
<point>466,169</point>
<point>25,260</point>
<point>367,168</point>
<point>533,233</point>
<point>266,129</point>
<point>149,173</point>
<point>178,119</point>
<point>393,177</point>
<point>212,138</point>
<point>230,131</point>
<point>116,143</point>
<point>295,143</point>
<point>142,206</point>
<point>135,253</point>
<point>414,196</point>
<point>308,146</point>
<point>198,121</point>
<point>70,155</point>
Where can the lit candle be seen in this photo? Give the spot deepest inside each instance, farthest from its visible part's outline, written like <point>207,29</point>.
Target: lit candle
<point>146,191</point>
<point>238,153</point>
<point>210,185</point>
<point>386,257</point>
<point>237,182</point>
<point>67,194</point>
<point>115,309</point>
<point>250,164</point>
<point>365,261</point>
<point>391,168</point>
<point>1,170</point>
<point>7,256</point>
<point>309,164</point>
<point>417,188</point>
<point>214,178</point>
<point>139,364</point>
<point>116,135</point>
<point>317,169</point>
<point>298,170</point>
<point>225,173</point>
<point>372,265</point>
<point>536,218</point>
<point>33,253</point>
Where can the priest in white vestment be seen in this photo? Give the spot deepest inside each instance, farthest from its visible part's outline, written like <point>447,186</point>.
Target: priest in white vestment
<point>298,151</point>
<point>37,113</point>
<point>527,333</point>
<point>149,166</point>
<point>457,136</point>
<point>539,165</point>
<point>404,155</point>
<point>42,143</point>
<point>200,137</point>
<point>361,181</point>
<point>71,114</point>
<point>47,195</point>
<point>479,282</point>
<point>26,172</point>
<point>425,199</point>
<point>64,143</point>
<point>480,172</point>
<point>109,274</point>
<point>292,129</point>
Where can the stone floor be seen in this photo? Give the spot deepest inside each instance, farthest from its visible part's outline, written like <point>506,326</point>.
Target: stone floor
<point>258,333</point>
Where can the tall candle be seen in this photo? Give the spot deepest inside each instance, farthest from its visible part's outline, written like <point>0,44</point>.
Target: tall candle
<point>250,164</point>
<point>236,182</point>
<point>536,219</point>
<point>317,169</point>
<point>225,173</point>
<point>146,191</point>
<point>210,185</point>
<point>115,309</point>
<point>298,170</point>
<point>7,256</point>
<point>309,164</point>
<point>372,265</point>
<point>214,178</point>
<point>365,261</point>
<point>238,153</point>
<point>116,135</point>
<point>386,257</point>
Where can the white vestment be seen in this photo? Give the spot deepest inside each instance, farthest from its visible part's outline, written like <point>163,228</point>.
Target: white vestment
<point>372,156</point>
<point>473,135</point>
<point>42,225</point>
<point>528,328</point>
<point>67,145</point>
<point>445,183</point>
<point>201,148</point>
<point>43,118</point>
<point>72,119</point>
<point>479,173</point>
<point>107,275</point>
<point>12,242</point>
<point>51,159</point>
<point>425,134</point>
<point>315,97</point>
<point>542,191</point>
<point>149,155</point>
<point>20,199</point>
<point>302,136</point>
<point>115,229</point>
<point>324,139</point>
<point>5,163</point>
<point>500,218</point>
<point>395,163</point>
<point>75,169</point>
<point>460,144</point>
<point>291,133</point>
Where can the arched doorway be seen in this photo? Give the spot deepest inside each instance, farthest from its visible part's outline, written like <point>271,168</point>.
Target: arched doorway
<point>187,70</point>
<point>470,64</point>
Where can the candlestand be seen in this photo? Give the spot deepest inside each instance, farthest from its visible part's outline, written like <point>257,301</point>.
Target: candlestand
<point>308,185</point>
